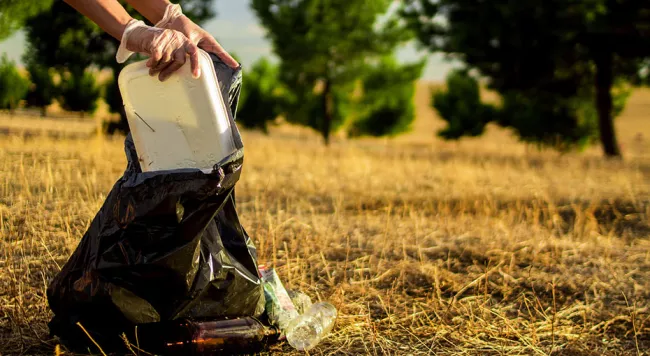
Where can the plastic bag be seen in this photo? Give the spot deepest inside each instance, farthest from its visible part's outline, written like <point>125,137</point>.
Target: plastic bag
<point>165,245</point>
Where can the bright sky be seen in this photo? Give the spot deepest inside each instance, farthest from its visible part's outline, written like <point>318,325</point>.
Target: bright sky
<point>238,31</point>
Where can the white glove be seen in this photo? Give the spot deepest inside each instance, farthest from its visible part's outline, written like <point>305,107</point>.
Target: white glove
<point>175,20</point>
<point>168,49</point>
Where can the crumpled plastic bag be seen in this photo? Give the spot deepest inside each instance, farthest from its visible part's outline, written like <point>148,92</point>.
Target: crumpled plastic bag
<point>165,245</point>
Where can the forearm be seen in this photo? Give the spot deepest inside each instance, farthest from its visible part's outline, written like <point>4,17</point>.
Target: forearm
<point>152,10</point>
<point>107,14</point>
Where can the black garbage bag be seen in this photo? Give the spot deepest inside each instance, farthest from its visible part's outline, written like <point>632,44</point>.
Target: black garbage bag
<point>165,245</point>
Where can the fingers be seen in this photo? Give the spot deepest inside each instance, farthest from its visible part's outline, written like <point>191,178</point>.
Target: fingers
<point>163,62</point>
<point>169,52</point>
<point>209,44</point>
<point>156,56</point>
<point>193,51</point>
<point>159,55</point>
<point>179,58</point>
<point>226,58</point>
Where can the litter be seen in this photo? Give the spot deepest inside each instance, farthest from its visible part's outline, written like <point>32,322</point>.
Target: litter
<point>167,255</point>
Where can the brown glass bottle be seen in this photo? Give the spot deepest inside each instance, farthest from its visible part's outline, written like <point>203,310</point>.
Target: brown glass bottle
<point>230,336</point>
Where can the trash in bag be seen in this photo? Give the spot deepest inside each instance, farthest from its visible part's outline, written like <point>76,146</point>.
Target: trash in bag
<point>279,307</point>
<point>165,245</point>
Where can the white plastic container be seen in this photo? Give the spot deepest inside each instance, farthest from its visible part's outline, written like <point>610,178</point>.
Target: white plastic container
<point>179,123</point>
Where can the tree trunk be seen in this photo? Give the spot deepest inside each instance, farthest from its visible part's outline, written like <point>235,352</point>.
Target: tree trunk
<point>43,111</point>
<point>327,111</point>
<point>604,103</point>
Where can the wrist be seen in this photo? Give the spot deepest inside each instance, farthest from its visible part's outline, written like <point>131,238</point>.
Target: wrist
<point>124,25</point>
<point>153,11</point>
<point>185,26</point>
<point>132,40</point>
<point>158,10</point>
<point>170,15</point>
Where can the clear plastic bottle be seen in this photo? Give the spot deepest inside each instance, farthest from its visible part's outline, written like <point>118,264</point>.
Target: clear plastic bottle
<point>307,330</point>
<point>301,301</point>
<point>279,306</point>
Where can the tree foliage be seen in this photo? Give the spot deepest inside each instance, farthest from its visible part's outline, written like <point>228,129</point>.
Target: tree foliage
<point>260,98</point>
<point>386,107</point>
<point>13,87</point>
<point>14,13</point>
<point>542,118</point>
<point>323,47</point>
<point>79,92</point>
<point>544,52</point>
<point>461,107</point>
<point>43,89</point>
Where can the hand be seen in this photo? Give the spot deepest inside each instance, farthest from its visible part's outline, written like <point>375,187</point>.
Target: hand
<point>167,48</point>
<point>206,42</point>
<point>175,20</point>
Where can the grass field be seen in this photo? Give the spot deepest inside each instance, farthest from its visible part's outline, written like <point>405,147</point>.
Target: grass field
<point>485,246</point>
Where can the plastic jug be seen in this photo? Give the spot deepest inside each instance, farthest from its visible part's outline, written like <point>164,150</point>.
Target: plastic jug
<point>179,123</point>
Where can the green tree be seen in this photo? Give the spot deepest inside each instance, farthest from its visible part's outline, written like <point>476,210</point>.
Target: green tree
<point>13,87</point>
<point>79,92</point>
<point>461,107</point>
<point>386,106</point>
<point>545,51</point>
<point>64,39</point>
<point>113,98</point>
<point>323,47</point>
<point>539,117</point>
<point>259,102</point>
<point>14,13</point>
<point>43,90</point>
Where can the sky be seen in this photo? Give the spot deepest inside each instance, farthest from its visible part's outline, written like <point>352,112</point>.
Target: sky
<point>239,31</point>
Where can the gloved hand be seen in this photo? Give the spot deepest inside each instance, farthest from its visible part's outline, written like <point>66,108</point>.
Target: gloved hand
<point>175,20</point>
<point>168,49</point>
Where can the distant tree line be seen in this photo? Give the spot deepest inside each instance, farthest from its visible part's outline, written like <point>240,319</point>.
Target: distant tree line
<point>75,91</point>
<point>74,87</point>
<point>563,69</point>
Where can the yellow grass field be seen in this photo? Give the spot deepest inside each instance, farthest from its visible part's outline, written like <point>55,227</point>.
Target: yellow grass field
<point>484,246</point>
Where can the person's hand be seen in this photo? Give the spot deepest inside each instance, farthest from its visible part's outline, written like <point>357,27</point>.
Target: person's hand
<point>168,49</point>
<point>175,20</point>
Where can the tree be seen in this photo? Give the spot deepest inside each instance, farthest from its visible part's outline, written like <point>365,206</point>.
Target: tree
<point>43,90</point>
<point>64,39</point>
<point>543,118</point>
<point>546,51</point>
<point>461,107</point>
<point>13,86</point>
<point>386,106</point>
<point>13,14</point>
<point>259,102</point>
<point>617,39</point>
<point>113,98</point>
<point>323,47</point>
<point>79,92</point>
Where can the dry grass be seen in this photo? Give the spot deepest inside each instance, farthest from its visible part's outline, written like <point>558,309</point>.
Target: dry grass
<point>478,247</point>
